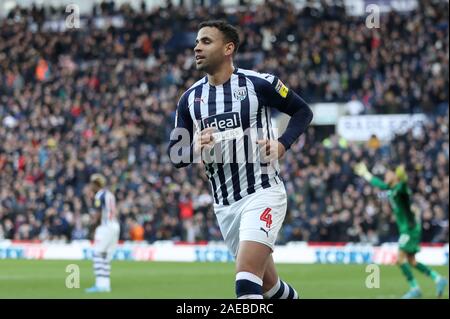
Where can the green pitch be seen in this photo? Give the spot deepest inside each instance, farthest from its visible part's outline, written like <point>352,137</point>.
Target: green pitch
<point>47,279</point>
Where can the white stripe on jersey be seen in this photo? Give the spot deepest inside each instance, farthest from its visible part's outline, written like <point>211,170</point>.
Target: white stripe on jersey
<point>107,205</point>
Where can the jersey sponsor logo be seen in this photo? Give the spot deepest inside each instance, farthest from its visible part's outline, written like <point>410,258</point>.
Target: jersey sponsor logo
<point>240,93</point>
<point>223,121</point>
<point>281,89</point>
<point>228,124</point>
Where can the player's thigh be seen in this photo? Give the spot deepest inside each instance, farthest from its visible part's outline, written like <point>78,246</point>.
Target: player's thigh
<point>101,240</point>
<point>228,219</point>
<point>252,257</point>
<point>412,259</point>
<point>112,240</point>
<point>401,256</point>
<point>106,237</point>
<point>263,217</point>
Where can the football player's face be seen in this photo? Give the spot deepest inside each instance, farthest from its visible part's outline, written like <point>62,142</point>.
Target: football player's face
<point>209,50</point>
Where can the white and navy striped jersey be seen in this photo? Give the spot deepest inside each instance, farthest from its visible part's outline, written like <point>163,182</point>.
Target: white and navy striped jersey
<point>240,109</point>
<point>106,202</point>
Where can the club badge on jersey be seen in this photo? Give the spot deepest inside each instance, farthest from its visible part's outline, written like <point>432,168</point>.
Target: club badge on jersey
<point>240,93</point>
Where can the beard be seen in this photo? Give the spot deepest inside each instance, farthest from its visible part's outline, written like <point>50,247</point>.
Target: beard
<point>204,66</point>
<point>208,65</point>
<point>201,67</point>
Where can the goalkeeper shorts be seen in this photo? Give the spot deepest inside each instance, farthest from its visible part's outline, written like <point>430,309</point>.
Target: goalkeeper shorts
<point>410,242</point>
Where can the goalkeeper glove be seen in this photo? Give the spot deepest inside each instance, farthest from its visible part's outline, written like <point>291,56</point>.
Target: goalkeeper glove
<point>361,170</point>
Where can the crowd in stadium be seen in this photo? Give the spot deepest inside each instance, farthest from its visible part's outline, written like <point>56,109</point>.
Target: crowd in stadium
<point>103,100</point>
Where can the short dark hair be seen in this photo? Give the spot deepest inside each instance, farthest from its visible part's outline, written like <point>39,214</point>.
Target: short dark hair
<point>229,32</point>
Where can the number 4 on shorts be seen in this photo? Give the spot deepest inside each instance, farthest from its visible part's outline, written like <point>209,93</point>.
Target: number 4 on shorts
<point>266,216</point>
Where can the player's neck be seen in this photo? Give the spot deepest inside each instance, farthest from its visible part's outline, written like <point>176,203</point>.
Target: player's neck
<point>222,75</point>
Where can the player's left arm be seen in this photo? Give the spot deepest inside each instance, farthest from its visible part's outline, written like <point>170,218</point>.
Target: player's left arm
<point>378,183</point>
<point>97,214</point>
<point>277,95</point>
<point>361,170</point>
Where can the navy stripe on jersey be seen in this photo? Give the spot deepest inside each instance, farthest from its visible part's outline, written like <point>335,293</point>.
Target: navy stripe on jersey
<point>269,130</point>
<point>210,169</point>
<point>220,172</point>
<point>234,166</point>
<point>259,124</point>
<point>265,177</point>
<point>102,199</point>
<point>212,101</point>
<point>102,206</point>
<point>245,116</point>
<point>198,118</point>
<point>267,122</point>
<point>197,100</point>
<point>227,98</point>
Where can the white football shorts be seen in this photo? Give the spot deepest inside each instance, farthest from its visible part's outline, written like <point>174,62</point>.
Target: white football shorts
<point>106,238</point>
<point>256,217</point>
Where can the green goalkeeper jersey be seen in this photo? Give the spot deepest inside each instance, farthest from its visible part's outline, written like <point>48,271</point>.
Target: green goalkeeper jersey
<point>400,199</point>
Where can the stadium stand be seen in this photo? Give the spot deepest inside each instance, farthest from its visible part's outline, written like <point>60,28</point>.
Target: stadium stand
<point>102,99</point>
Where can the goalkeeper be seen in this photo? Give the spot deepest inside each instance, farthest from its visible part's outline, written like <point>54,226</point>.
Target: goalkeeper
<point>409,226</point>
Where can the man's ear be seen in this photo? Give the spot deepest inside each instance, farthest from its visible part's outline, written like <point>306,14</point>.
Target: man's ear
<point>229,48</point>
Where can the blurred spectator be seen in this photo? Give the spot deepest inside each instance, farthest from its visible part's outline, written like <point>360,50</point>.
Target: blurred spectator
<point>373,143</point>
<point>136,231</point>
<point>354,107</point>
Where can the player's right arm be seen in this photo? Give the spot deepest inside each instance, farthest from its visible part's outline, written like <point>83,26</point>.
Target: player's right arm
<point>180,149</point>
<point>361,170</point>
<point>184,143</point>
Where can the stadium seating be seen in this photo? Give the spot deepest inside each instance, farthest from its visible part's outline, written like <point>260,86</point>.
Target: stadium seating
<point>103,100</point>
